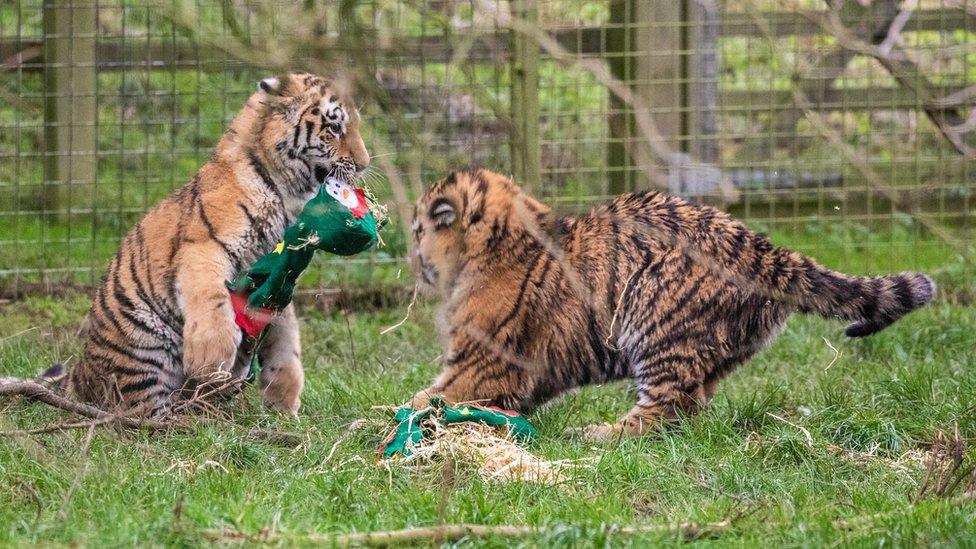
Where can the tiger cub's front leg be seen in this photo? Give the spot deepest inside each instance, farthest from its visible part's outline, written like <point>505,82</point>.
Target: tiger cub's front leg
<point>210,335</point>
<point>480,370</point>
<point>282,376</point>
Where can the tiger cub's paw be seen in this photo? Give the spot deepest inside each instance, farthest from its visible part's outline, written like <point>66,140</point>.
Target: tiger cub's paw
<point>603,432</point>
<point>422,399</point>
<point>630,426</point>
<point>210,347</point>
<point>281,388</point>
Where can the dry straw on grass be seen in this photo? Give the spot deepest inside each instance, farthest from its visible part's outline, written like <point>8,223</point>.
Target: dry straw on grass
<point>498,457</point>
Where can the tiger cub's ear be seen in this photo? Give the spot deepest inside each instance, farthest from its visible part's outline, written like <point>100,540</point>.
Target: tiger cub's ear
<point>271,86</point>
<point>442,213</point>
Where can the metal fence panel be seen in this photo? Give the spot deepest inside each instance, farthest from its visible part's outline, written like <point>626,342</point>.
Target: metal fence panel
<point>843,128</point>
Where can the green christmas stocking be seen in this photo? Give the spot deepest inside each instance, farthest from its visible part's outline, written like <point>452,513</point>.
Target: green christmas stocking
<point>340,219</point>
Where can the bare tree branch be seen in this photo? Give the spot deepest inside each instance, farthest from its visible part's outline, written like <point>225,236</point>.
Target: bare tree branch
<point>894,32</point>
<point>833,63</point>
<point>875,182</point>
<point>901,67</point>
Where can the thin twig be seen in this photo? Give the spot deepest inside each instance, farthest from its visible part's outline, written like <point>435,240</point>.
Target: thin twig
<point>221,382</point>
<point>837,354</point>
<point>352,343</point>
<point>18,334</point>
<point>335,446</point>
<point>616,310</point>
<point>350,429</point>
<point>947,467</point>
<point>12,386</point>
<point>413,300</point>
<point>805,432</point>
<point>85,445</point>
<point>62,427</point>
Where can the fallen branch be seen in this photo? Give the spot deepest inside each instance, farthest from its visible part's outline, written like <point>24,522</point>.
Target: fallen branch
<point>30,389</point>
<point>858,521</point>
<point>455,532</point>
<point>62,427</point>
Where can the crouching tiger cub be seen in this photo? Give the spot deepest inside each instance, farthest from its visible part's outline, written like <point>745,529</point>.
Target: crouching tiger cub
<point>162,323</point>
<point>648,287</point>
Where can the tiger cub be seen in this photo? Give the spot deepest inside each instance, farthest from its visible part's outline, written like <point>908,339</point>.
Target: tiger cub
<point>161,324</point>
<point>649,287</point>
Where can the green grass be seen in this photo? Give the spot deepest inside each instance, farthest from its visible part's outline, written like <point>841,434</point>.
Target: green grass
<point>870,416</point>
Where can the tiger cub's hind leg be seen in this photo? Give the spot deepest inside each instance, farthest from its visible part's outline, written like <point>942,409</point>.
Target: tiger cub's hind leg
<point>127,391</point>
<point>282,376</point>
<point>668,386</point>
<point>677,365</point>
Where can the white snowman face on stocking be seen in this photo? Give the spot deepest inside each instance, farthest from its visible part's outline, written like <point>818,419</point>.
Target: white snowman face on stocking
<point>342,192</point>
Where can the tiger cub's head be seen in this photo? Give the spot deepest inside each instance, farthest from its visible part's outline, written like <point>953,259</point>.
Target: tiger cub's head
<point>309,128</point>
<point>473,218</point>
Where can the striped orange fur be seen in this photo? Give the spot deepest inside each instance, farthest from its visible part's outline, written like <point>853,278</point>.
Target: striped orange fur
<point>648,287</point>
<point>161,324</point>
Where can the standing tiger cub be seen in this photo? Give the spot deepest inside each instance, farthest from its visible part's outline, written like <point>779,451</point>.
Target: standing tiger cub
<point>648,287</point>
<point>161,324</point>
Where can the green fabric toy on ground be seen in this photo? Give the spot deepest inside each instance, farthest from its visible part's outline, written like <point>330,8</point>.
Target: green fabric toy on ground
<point>410,428</point>
<point>339,219</point>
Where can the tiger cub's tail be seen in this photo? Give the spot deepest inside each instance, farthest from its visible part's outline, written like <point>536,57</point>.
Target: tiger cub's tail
<point>55,375</point>
<point>872,303</point>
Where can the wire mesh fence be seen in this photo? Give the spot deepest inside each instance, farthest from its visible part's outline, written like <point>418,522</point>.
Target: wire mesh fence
<point>843,128</point>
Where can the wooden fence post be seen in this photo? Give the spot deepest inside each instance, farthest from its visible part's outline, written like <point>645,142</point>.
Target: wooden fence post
<point>672,65</point>
<point>703,71</point>
<point>647,43</point>
<point>526,146</point>
<point>69,96</point>
<point>660,70</point>
<point>619,37</point>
